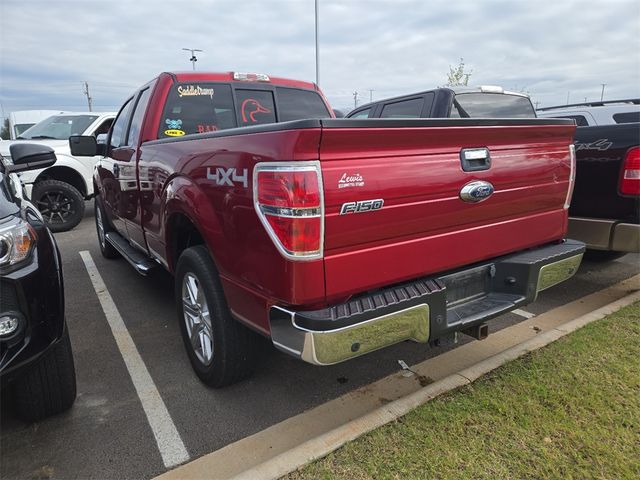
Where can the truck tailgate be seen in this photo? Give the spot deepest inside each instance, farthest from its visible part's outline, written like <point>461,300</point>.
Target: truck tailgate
<point>415,168</point>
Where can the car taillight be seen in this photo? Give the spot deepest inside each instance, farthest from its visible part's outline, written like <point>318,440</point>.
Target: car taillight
<point>630,181</point>
<point>572,175</point>
<point>289,201</point>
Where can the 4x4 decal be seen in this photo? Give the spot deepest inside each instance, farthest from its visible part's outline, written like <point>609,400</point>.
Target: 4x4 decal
<point>228,176</point>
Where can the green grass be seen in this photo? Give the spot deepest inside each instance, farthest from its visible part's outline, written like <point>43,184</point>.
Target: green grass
<point>569,410</point>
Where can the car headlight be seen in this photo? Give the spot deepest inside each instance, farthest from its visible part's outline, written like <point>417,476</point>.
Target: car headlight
<point>17,241</point>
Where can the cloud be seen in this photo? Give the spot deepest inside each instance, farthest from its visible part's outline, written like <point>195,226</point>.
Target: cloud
<point>548,48</point>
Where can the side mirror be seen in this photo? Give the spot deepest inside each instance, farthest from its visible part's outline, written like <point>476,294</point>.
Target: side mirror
<point>30,156</point>
<point>338,113</point>
<point>83,145</point>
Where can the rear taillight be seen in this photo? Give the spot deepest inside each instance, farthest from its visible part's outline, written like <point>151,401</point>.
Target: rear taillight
<point>289,201</point>
<point>630,179</point>
<point>572,175</point>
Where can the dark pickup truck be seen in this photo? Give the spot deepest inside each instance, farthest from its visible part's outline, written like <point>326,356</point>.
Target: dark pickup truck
<point>332,237</point>
<point>486,101</point>
<point>605,210</point>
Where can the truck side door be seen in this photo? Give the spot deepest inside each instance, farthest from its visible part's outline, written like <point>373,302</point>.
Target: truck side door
<point>142,193</point>
<point>117,171</point>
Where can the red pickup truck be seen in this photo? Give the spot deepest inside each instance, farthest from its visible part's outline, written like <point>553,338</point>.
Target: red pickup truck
<point>332,237</point>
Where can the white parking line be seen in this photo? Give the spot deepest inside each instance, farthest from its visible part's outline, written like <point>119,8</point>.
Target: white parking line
<point>523,313</point>
<point>170,444</point>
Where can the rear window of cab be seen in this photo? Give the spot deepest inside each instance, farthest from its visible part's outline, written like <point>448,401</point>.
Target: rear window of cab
<point>208,107</point>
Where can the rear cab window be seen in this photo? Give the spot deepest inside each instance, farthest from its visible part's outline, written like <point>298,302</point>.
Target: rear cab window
<point>255,107</point>
<point>295,104</point>
<point>404,109</point>
<point>199,107</point>
<point>491,105</point>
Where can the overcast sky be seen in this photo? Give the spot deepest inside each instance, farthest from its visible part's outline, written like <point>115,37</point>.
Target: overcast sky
<point>550,49</point>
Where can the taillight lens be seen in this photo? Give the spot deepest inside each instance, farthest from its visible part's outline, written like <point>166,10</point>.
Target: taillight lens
<point>289,202</point>
<point>630,181</point>
<point>572,175</point>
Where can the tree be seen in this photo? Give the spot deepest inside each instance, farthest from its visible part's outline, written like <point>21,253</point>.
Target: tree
<point>4,133</point>
<point>457,77</point>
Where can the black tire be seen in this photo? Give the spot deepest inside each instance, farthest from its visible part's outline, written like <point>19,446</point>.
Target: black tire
<point>61,204</point>
<point>234,347</point>
<point>49,386</point>
<point>102,222</point>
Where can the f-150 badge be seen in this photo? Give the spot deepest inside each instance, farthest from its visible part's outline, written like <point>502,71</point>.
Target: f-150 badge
<point>477,191</point>
<point>361,207</point>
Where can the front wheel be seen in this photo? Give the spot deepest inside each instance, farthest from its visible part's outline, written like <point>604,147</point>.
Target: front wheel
<point>61,204</point>
<point>49,386</point>
<point>220,349</point>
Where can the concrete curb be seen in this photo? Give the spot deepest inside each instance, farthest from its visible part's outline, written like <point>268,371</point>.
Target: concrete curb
<point>328,442</point>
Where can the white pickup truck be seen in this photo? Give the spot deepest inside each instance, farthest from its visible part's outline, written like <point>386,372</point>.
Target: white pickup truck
<point>60,191</point>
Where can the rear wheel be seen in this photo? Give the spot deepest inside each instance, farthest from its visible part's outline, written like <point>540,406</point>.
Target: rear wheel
<point>102,227</point>
<point>221,350</point>
<point>61,204</point>
<point>49,386</point>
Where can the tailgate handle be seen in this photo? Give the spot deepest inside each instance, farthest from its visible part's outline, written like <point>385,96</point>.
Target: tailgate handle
<point>475,159</point>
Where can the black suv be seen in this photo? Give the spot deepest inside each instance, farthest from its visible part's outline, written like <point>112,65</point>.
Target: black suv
<point>36,363</point>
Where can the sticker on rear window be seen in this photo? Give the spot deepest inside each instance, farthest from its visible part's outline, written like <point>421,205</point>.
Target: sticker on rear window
<point>174,133</point>
<point>250,108</point>
<point>194,91</point>
<point>207,128</point>
<point>174,128</point>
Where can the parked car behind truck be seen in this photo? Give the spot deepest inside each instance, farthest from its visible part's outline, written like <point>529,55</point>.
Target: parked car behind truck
<point>486,101</point>
<point>333,238</point>
<point>605,211</point>
<point>59,191</point>
<point>36,361</point>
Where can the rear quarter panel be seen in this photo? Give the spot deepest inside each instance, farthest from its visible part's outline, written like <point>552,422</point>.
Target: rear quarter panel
<point>252,270</point>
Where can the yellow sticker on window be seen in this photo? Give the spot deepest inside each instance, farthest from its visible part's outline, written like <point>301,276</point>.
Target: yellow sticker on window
<point>174,133</point>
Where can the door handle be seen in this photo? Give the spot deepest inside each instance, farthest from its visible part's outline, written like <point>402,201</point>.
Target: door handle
<point>475,159</point>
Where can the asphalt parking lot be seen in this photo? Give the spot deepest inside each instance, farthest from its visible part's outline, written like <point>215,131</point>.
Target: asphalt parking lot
<point>107,434</point>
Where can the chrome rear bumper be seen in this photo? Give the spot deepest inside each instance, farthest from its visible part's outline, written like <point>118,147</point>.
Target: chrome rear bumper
<point>424,309</point>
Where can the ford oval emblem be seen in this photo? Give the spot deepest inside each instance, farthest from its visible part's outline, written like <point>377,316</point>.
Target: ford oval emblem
<point>477,191</point>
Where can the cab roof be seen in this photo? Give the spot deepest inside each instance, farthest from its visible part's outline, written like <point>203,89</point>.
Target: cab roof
<point>230,77</point>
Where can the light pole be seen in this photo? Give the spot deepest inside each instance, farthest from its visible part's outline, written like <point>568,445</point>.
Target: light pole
<point>317,51</point>
<point>602,94</point>
<point>193,58</point>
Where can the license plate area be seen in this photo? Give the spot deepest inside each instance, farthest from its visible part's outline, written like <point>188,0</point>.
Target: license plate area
<point>468,285</point>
